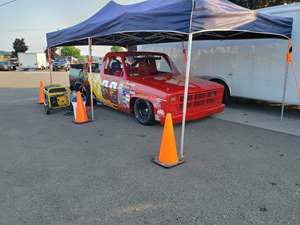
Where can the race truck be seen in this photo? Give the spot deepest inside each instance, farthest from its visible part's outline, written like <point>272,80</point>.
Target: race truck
<point>148,85</point>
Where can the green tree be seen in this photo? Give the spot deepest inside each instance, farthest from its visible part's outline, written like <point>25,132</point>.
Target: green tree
<point>256,4</point>
<point>70,51</point>
<point>53,53</point>
<point>19,46</point>
<point>117,49</point>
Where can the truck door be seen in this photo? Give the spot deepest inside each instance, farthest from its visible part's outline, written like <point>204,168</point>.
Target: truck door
<point>110,81</point>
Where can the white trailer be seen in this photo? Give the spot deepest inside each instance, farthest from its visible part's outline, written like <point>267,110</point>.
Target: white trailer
<point>32,61</point>
<point>253,69</point>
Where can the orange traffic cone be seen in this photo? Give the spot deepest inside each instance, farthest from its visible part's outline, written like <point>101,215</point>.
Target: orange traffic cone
<point>167,156</point>
<point>41,95</point>
<point>81,115</point>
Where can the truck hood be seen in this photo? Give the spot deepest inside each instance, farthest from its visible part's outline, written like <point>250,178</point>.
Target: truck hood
<point>175,84</point>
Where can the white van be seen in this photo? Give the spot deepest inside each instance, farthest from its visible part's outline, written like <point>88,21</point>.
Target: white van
<point>253,69</point>
<point>32,61</point>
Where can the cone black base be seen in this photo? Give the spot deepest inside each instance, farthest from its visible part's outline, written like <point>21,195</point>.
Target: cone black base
<point>167,166</point>
<point>81,122</point>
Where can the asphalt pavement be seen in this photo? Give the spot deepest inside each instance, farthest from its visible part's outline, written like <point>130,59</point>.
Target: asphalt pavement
<point>54,172</point>
<point>263,115</point>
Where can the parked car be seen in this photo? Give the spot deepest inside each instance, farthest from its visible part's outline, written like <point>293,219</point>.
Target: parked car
<point>14,62</point>
<point>61,64</point>
<point>78,77</point>
<point>6,66</point>
<point>84,67</point>
<point>148,85</point>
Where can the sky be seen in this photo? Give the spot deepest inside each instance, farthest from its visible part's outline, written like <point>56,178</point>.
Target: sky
<point>32,19</point>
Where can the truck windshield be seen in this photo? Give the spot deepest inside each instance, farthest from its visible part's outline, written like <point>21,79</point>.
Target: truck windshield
<point>147,65</point>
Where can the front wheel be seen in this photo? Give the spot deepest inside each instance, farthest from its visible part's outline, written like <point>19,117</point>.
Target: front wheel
<point>226,95</point>
<point>143,111</point>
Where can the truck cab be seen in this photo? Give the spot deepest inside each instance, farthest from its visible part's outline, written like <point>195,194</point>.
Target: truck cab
<point>148,85</point>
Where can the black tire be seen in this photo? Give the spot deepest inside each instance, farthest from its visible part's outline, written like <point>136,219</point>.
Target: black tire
<point>143,112</point>
<point>226,95</point>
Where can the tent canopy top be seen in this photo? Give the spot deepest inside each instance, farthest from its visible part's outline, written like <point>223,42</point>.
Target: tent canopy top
<point>156,21</point>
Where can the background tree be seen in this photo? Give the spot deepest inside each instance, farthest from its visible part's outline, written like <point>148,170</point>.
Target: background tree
<point>256,4</point>
<point>53,53</point>
<point>117,49</point>
<point>19,46</point>
<point>71,51</point>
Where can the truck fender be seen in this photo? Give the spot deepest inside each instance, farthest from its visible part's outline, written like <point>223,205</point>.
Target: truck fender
<point>219,80</point>
<point>227,89</point>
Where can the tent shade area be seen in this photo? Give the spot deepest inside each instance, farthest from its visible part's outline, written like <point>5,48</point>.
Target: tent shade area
<point>156,21</point>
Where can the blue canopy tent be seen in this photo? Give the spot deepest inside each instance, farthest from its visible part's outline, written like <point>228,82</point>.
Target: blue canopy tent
<point>156,21</point>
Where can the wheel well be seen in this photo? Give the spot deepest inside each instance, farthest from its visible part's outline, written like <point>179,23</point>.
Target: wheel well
<point>219,81</point>
<point>131,103</point>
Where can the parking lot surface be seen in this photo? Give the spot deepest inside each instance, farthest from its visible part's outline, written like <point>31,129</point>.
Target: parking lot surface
<point>30,79</point>
<point>263,115</point>
<point>53,172</point>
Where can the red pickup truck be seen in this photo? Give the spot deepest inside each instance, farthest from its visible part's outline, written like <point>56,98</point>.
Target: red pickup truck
<point>148,85</point>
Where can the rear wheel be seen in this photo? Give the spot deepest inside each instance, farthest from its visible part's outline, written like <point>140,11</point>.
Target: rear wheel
<point>143,111</point>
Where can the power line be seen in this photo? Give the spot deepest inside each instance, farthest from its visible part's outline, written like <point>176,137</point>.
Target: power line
<point>6,3</point>
<point>28,29</point>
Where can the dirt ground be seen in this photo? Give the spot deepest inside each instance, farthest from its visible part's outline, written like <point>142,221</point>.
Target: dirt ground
<point>30,79</point>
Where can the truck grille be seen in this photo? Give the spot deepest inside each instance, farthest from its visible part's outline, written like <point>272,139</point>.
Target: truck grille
<point>198,100</point>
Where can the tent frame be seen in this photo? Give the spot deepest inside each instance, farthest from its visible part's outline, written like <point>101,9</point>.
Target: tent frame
<point>285,79</point>
<point>185,98</point>
<point>90,62</point>
<point>50,65</point>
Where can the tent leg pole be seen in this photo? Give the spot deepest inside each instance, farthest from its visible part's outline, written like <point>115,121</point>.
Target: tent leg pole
<point>90,77</point>
<point>50,71</point>
<point>50,65</point>
<point>186,89</point>
<point>284,90</point>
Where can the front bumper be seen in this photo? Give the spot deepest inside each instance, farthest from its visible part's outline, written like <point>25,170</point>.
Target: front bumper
<point>196,115</point>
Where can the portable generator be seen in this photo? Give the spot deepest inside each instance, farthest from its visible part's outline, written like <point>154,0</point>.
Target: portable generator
<point>56,97</point>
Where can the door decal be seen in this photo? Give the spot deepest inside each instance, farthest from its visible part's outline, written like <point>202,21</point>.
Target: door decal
<point>110,91</point>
